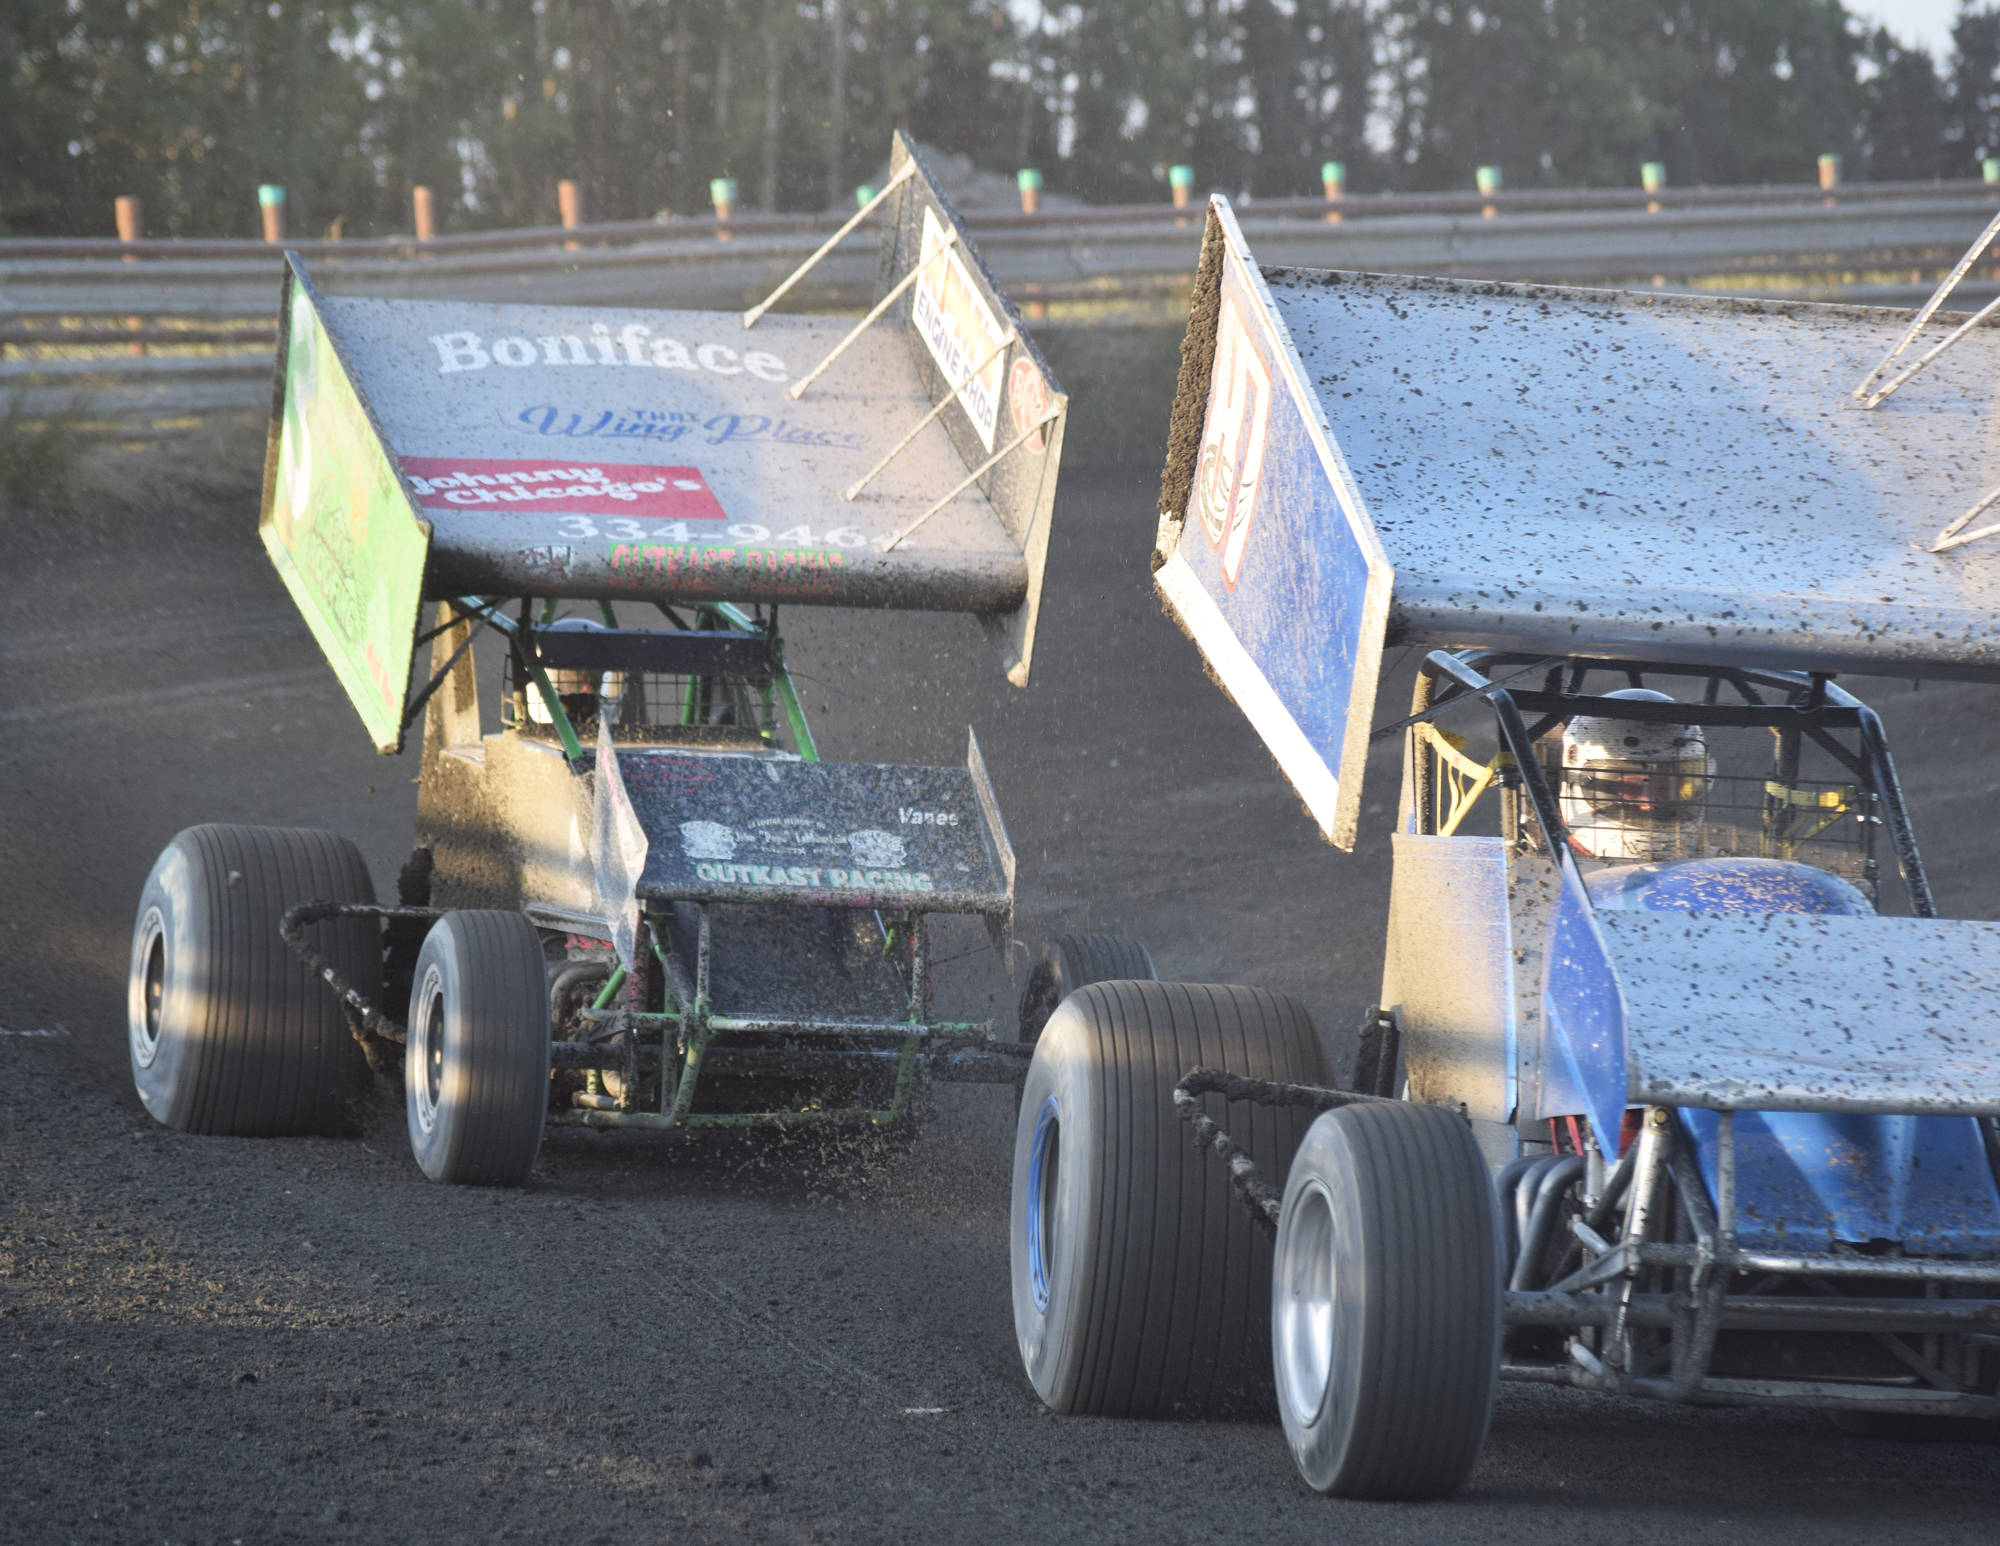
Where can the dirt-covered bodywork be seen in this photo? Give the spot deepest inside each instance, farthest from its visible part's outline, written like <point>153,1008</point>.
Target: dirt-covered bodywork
<point>625,796</point>
<point>1726,1087</point>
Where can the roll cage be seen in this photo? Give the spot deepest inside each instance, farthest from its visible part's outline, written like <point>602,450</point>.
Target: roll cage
<point>1797,706</point>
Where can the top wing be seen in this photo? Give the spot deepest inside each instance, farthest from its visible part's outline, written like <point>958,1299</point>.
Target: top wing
<point>435,448</point>
<point>1665,478</point>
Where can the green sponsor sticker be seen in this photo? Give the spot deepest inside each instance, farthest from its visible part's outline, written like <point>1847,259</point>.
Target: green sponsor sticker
<point>341,531</point>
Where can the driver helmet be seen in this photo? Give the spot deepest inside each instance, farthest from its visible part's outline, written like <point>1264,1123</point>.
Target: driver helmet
<point>1635,791</point>
<point>582,698</point>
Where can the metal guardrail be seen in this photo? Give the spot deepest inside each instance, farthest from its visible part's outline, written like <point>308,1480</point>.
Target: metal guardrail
<point>1356,206</point>
<point>153,329</point>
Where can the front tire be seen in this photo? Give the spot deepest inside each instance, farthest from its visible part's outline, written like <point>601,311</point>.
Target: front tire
<point>1385,1302</point>
<point>1141,1288</point>
<point>1072,961</point>
<point>228,1032</point>
<point>476,1065</point>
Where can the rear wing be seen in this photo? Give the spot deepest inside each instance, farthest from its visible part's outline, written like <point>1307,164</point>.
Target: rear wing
<point>425,449</point>
<point>1294,634</point>
<point>1356,460</point>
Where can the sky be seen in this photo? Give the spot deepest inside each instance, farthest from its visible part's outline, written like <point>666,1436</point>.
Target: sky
<point>1923,22</point>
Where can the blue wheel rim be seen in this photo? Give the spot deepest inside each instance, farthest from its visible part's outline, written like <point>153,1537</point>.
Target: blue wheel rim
<point>1041,1165</point>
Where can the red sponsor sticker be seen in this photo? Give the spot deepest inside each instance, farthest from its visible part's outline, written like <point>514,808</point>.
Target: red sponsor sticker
<point>562,488</point>
<point>1027,400</point>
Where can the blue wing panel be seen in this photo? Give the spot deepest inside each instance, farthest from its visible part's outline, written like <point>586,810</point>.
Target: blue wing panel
<point>1583,1019</point>
<point>1806,1179</point>
<point>1277,571</point>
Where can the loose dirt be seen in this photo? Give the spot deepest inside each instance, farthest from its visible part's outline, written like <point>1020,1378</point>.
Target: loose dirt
<point>221,1340</point>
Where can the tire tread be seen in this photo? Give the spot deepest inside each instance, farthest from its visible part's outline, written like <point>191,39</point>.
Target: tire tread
<point>496,967</point>
<point>1179,1314</point>
<point>269,1053</point>
<point>1427,1337</point>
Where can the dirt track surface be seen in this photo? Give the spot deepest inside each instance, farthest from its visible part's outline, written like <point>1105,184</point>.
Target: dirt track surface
<point>225,1340</point>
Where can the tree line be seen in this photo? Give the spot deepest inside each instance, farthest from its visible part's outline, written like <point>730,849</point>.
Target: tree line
<point>190,104</point>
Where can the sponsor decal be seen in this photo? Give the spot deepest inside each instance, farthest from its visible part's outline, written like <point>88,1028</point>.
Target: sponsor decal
<point>775,571</point>
<point>549,559</point>
<point>751,534</point>
<point>872,845</point>
<point>1232,447</point>
<point>813,877</point>
<point>340,529</point>
<point>633,345</point>
<point>623,489</point>
<point>653,424</point>
<point>958,328</point>
<point>911,816</point>
<point>1027,401</point>
<point>672,775</point>
<point>725,427</point>
<point>552,421</point>
<point>708,840</point>
<point>878,859</point>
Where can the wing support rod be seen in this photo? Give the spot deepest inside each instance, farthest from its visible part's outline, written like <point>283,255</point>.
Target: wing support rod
<point>798,388</point>
<point>1924,313</point>
<point>1056,412</point>
<point>853,490</point>
<point>1869,394</point>
<point>750,317</point>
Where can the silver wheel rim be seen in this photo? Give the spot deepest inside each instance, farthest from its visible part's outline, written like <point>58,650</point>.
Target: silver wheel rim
<point>149,988</point>
<point>1305,1305</point>
<point>426,1074</point>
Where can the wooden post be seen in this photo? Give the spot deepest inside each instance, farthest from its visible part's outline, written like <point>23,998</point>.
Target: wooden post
<point>423,208</point>
<point>1653,178</point>
<point>125,210</point>
<point>1180,180</point>
<point>1333,179</point>
<point>722,194</point>
<point>131,226</point>
<point>1488,180</point>
<point>1989,170</point>
<point>1029,181</point>
<point>569,205</point>
<point>1829,177</point>
<point>271,205</point>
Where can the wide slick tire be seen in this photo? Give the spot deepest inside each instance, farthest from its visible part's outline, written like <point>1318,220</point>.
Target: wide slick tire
<point>1072,961</point>
<point>228,1032</point>
<point>1386,1302</point>
<point>476,1065</point>
<point>1141,1288</point>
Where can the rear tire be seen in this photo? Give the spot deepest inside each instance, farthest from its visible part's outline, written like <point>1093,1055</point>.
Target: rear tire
<point>476,1066</point>
<point>228,1032</point>
<point>1072,961</point>
<point>1386,1295</point>
<point>1141,1287</point>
